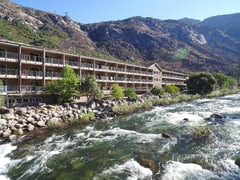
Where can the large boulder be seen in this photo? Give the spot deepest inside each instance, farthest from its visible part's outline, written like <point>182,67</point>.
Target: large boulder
<point>41,124</point>
<point>20,110</point>
<point>30,127</point>
<point>4,110</point>
<point>237,162</point>
<point>7,133</point>
<point>8,116</point>
<point>13,138</point>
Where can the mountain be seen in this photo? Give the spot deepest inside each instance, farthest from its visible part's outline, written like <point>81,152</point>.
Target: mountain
<point>229,24</point>
<point>41,28</point>
<point>176,44</point>
<point>183,45</point>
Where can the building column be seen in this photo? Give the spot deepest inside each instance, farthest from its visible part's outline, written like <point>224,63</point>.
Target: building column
<point>80,69</point>
<point>44,68</point>
<point>20,69</point>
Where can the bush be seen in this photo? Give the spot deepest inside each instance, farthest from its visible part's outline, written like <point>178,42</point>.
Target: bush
<point>85,117</point>
<point>156,91</point>
<point>117,91</point>
<point>130,93</point>
<point>171,89</point>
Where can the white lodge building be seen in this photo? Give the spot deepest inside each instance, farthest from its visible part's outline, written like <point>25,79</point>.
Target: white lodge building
<point>24,71</point>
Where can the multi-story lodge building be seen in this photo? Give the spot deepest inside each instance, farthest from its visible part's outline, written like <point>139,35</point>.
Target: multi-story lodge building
<point>25,70</point>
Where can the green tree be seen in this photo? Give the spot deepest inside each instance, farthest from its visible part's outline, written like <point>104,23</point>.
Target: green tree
<point>201,83</point>
<point>91,88</point>
<point>117,91</point>
<point>238,72</point>
<point>157,91</point>
<point>224,81</point>
<point>2,97</point>
<point>130,93</point>
<point>171,89</point>
<point>66,87</point>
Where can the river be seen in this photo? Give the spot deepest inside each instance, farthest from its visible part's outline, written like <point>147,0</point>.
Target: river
<point>114,149</point>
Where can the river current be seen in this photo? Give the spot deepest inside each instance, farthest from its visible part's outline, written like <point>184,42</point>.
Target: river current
<point>114,149</point>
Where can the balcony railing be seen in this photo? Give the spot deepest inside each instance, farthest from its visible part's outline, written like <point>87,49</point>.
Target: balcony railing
<point>6,72</point>
<point>9,55</point>
<point>72,63</point>
<point>113,78</point>
<point>53,74</point>
<point>29,89</point>
<point>32,73</point>
<point>86,65</point>
<point>15,89</point>
<point>32,58</point>
<point>54,61</point>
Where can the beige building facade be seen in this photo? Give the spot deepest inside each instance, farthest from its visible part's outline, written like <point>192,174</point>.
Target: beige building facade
<point>25,70</point>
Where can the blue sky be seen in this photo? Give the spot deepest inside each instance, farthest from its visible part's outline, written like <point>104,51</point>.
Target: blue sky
<point>91,11</point>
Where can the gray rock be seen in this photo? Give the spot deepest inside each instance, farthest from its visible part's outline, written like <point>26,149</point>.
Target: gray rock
<point>13,138</point>
<point>92,105</point>
<point>75,106</point>
<point>30,119</point>
<point>30,127</point>
<point>4,110</point>
<point>7,133</point>
<point>41,124</point>
<point>3,122</point>
<point>8,116</point>
<point>19,125</point>
<point>36,116</point>
<point>55,114</point>
<point>21,110</point>
<point>20,131</point>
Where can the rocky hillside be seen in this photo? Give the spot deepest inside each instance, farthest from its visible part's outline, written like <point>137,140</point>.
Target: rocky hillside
<point>176,44</point>
<point>182,45</point>
<point>41,28</point>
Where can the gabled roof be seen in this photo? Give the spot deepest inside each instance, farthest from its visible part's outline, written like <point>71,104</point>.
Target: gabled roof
<point>156,65</point>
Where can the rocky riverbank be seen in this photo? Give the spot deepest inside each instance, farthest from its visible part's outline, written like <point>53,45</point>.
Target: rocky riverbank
<point>18,121</point>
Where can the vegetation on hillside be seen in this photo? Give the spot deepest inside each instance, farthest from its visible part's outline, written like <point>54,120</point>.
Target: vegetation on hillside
<point>47,36</point>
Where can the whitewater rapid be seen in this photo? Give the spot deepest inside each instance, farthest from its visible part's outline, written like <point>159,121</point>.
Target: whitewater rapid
<point>113,149</point>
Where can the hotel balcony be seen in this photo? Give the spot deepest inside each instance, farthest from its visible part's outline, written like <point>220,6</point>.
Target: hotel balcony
<point>52,75</point>
<point>31,59</point>
<point>178,83</point>
<point>4,90</point>
<point>174,77</point>
<point>118,70</point>
<point>9,56</point>
<point>32,74</point>
<point>31,89</point>
<point>74,64</point>
<point>9,73</point>
<point>54,62</point>
<point>121,79</point>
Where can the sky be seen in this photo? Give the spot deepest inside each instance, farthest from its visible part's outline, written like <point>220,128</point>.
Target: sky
<point>93,11</point>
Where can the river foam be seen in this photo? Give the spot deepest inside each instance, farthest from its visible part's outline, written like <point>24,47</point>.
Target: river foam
<point>5,149</point>
<point>130,170</point>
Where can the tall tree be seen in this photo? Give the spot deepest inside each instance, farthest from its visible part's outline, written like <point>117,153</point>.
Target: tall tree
<point>238,72</point>
<point>117,91</point>
<point>201,83</point>
<point>91,88</point>
<point>66,87</point>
